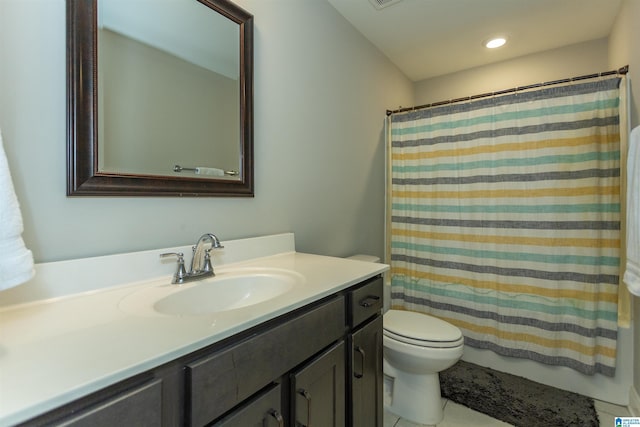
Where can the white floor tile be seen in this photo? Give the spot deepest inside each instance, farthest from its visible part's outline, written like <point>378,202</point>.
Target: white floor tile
<point>607,413</point>
<point>456,415</point>
<point>399,422</point>
<point>406,423</point>
<point>390,420</point>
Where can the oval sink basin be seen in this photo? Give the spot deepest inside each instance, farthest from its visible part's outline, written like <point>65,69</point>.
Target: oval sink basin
<point>225,293</point>
<point>228,290</point>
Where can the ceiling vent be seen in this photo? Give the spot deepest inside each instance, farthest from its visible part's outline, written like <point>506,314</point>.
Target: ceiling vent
<point>381,4</point>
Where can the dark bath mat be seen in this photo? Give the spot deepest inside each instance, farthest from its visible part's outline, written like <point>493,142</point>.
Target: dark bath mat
<point>516,400</point>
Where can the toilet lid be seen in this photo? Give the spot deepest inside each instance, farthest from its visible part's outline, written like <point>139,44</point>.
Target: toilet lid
<point>410,327</point>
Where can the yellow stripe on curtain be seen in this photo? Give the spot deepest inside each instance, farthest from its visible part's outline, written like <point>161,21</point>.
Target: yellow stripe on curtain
<point>522,146</point>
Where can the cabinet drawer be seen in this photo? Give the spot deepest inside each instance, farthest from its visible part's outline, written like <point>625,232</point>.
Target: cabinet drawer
<point>217,383</point>
<point>263,410</point>
<point>141,406</point>
<point>366,301</point>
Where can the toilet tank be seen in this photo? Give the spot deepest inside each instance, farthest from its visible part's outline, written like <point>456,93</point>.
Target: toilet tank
<point>367,258</point>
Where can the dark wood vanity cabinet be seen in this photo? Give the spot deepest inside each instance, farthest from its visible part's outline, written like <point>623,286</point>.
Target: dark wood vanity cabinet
<point>225,378</point>
<point>132,402</point>
<point>265,410</point>
<point>318,390</point>
<point>320,365</point>
<point>365,355</point>
<point>366,375</point>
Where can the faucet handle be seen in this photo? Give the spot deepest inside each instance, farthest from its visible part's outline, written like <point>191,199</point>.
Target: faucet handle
<point>207,261</point>
<point>178,255</point>
<point>181,271</point>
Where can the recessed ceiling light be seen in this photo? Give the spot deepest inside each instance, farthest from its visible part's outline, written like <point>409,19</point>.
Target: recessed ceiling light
<point>495,42</point>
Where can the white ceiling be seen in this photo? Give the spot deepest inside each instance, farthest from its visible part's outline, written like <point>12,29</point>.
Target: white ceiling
<point>428,38</point>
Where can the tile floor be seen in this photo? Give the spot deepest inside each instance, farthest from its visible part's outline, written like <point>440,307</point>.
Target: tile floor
<point>456,415</point>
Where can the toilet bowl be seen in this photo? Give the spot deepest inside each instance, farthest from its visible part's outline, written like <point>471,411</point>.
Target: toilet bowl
<point>416,348</point>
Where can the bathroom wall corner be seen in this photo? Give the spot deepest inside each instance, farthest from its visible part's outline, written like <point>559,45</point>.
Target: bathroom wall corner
<point>634,402</point>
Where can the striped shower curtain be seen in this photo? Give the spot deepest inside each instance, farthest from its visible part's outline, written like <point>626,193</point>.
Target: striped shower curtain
<point>505,221</point>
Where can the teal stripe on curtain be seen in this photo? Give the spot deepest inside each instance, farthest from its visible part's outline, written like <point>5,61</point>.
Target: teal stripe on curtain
<point>510,115</point>
<point>510,256</point>
<point>505,221</point>
<point>511,301</point>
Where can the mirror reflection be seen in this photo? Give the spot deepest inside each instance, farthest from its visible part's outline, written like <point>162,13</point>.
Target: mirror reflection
<point>168,90</point>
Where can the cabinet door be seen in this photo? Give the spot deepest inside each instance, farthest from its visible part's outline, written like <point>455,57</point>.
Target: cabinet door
<point>262,411</point>
<point>318,390</point>
<point>366,375</point>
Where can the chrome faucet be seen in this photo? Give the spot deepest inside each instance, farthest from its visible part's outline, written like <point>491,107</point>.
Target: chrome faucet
<point>201,260</point>
<point>201,266</point>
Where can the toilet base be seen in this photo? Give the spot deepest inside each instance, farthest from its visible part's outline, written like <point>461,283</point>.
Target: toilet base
<point>414,397</point>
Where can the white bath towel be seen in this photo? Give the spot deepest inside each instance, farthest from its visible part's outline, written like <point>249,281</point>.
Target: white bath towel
<point>16,261</point>
<point>632,272</point>
<point>209,171</point>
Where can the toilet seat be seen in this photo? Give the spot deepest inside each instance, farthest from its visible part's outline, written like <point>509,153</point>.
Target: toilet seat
<point>421,330</point>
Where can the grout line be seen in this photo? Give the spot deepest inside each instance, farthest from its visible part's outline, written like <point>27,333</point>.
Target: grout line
<point>444,405</point>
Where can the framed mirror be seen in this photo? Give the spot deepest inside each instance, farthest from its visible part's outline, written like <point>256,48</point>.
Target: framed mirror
<point>159,98</point>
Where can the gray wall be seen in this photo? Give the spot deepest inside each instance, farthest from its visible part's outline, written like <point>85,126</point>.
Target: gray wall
<point>574,60</point>
<point>321,91</point>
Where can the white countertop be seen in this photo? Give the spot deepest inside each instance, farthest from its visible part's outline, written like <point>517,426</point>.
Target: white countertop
<point>56,350</point>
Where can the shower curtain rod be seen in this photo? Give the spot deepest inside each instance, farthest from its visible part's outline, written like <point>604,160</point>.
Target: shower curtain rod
<point>622,70</point>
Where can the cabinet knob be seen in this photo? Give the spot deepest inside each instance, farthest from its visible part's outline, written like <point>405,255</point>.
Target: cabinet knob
<point>369,301</point>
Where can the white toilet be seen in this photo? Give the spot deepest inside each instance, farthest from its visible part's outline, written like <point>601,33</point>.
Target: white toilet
<point>416,348</point>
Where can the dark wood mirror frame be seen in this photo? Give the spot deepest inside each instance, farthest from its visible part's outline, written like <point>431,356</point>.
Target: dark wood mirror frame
<point>83,178</point>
